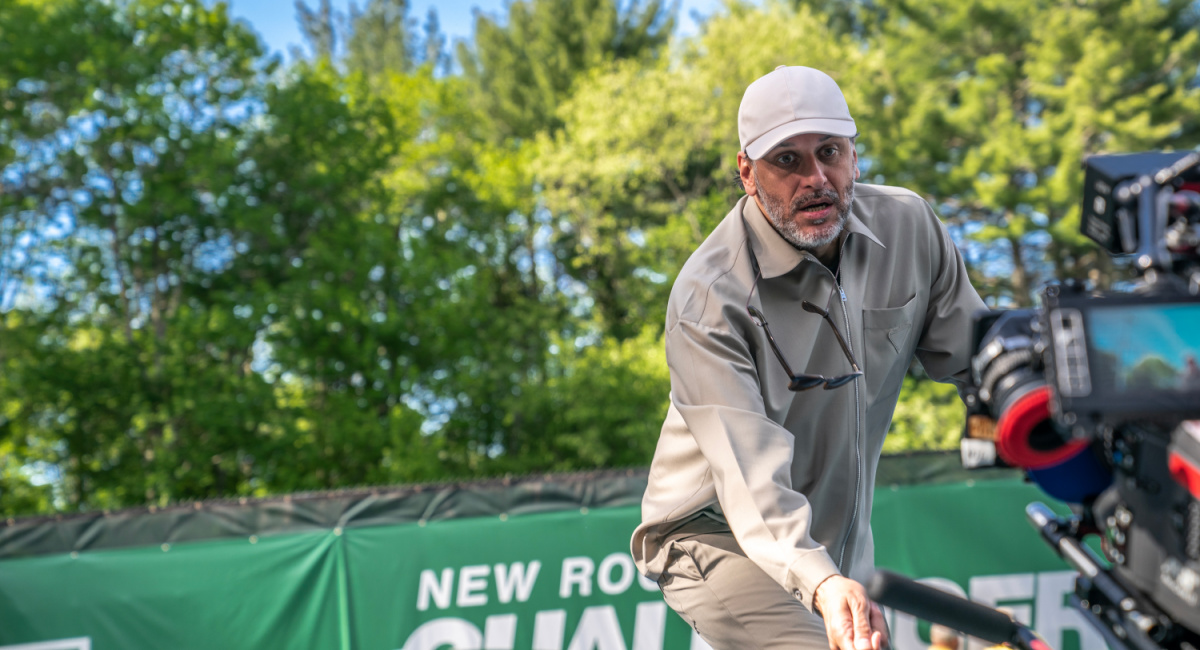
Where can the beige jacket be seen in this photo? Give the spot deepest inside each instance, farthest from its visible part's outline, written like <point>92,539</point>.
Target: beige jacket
<point>792,474</point>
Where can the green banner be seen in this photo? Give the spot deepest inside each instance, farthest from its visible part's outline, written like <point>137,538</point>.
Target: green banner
<point>559,580</point>
<point>278,592</point>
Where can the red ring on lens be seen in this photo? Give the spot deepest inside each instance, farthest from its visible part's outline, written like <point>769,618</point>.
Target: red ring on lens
<point>1016,425</point>
<point>1185,472</point>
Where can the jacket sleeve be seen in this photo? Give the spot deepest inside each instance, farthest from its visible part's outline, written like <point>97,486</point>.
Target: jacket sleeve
<point>945,344</point>
<point>715,388</point>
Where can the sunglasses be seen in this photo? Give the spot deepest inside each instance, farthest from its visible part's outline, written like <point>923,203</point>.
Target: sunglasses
<point>803,381</point>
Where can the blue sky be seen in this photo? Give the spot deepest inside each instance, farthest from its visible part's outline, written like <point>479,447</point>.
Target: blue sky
<point>275,20</point>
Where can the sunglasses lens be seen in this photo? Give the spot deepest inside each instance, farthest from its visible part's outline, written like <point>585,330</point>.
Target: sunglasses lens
<point>841,381</point>
<point>805,382</point>
<point>756,316</point>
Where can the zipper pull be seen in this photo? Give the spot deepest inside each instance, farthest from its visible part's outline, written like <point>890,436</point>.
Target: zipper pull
<point>842,292</point>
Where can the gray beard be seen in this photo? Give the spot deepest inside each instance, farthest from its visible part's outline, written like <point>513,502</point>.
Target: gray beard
<point>778,211</point>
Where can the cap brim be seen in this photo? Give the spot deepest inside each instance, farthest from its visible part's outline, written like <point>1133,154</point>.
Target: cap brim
<point>824,126</point>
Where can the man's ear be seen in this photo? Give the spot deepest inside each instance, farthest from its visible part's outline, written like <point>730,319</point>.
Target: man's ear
<point>857,171</point>
<point>746,173</point>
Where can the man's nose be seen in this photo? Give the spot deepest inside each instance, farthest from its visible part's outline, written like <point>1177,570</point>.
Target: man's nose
<point>812,174</point>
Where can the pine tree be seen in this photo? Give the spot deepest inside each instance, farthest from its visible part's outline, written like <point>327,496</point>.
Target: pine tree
<point>523,68</point>
<point>380,38</point>
<point>318,28</point>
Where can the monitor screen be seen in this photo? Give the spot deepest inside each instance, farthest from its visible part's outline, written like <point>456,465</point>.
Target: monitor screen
<point>1135,348</point>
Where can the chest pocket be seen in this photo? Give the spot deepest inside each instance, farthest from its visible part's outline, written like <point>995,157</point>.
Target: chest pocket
<point>887,333</point>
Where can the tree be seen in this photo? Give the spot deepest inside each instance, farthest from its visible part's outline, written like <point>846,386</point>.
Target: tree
<point>319,28</point>
<point>173,193</point>
<point>990,107</point>
<point>521,69</point>
<point>1153,373</point>
<point>602,406</point>
<point>125,158</point>
<point>928,415</point>
<point>380,39</point>
<point>376,40</point>
<point>526,315</point>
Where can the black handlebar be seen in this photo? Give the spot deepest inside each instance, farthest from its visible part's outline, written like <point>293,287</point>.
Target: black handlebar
<point>937,606</point>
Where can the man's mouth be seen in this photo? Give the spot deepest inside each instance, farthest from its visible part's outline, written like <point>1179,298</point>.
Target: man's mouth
<point>816,210</point>
<point>815,207</point>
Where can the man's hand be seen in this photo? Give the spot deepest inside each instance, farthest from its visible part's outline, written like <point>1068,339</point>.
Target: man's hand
<point>852,621</point>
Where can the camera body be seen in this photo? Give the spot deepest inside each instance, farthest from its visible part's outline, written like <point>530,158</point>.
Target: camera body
<point>1097,397</point>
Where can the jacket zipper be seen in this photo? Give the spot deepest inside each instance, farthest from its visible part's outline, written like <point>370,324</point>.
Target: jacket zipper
<point>857,422</point>
<point>858,427</point>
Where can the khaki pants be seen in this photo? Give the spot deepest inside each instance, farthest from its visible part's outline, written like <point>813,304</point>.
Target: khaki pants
<point>730,602</point>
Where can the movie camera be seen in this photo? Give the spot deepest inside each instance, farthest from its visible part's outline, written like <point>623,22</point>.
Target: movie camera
<point>1096,395</point>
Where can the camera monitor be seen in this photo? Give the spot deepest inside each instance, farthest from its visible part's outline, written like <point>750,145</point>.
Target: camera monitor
<point>1126,356</point>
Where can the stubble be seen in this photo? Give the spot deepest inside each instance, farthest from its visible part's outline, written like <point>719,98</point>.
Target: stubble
<point>784,218</point>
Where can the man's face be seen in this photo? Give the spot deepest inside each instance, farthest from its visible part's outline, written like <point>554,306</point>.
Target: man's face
<point>805,187</point>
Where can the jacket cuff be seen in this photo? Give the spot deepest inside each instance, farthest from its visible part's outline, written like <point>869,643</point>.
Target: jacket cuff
<point>807,573</point>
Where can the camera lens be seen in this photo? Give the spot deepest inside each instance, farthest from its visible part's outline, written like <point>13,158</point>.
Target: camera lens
<point>1013,387</point>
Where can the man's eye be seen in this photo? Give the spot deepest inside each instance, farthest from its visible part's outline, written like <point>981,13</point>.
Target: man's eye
<point>786,159</point>
<point>830,152</point>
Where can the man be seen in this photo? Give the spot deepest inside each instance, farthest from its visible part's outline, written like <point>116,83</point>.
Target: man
<point>942,638</point>
<point>756,519</point>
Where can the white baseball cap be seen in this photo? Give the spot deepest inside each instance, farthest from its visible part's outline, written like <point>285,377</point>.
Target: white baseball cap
<point>788,101</point>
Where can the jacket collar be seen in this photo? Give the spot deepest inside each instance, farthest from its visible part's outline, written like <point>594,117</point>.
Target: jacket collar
<point>775,255</point>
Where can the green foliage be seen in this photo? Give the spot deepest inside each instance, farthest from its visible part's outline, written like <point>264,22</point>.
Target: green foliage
<point>135,380</point>
<point>1153,373</point>
<point>219,277</point>
<point>381,38</point>
<point>375,40</point>
<point>602,405</point>
<point>632,202</point>
<point>318,27</point>
<point>522,68</point>
<point>929,415</point>
<point>989,107</point>
<point>187,215</point>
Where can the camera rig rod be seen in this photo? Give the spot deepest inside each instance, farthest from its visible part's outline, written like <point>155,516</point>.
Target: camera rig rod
<point>1108,605</point>
<point>1171,172</point>
<point>937,606</point>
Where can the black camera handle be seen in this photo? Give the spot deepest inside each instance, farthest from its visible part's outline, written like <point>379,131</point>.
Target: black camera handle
<point>937,606</point>
<point>1124,620</point>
